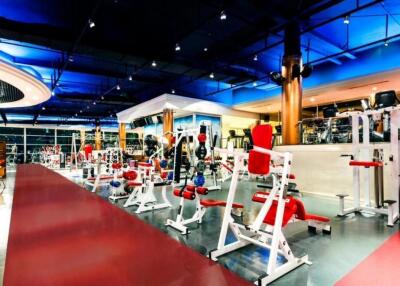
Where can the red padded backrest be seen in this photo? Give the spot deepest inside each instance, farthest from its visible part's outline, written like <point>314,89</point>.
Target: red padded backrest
<point>262,137</point>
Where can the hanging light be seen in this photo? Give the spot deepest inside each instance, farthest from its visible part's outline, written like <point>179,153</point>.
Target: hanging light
<point>130,78</point>
<point>205,49</point>
<point>255,58</point>
<point>346,20</point>
<point>71,59</point>
<point>212,75</point>
<point>91,24</point>
<point>254,83</point>
<point>118,87</point>
<point>94,102</point>
<point>43,108</point>
<point>154,64</point>
<point>53,93</point>
<point>102,97</point>
<point>173,91</point>
<point>177,47</point>
<point>223,16</point>
<point>386,43</point>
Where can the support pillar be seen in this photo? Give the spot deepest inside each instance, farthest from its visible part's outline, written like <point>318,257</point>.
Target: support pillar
<point>82,134</point>
<point>168,125</point>
<point>292,86</point>
<point>97,139</point>
<point>122,136</point>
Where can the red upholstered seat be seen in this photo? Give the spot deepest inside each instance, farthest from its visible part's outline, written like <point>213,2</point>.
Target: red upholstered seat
<point>133,184</point>
<point>366,164</point>
<point>262,137</point>
<point>294,208</point>
<point>144,164</point>
<point>217,203</point>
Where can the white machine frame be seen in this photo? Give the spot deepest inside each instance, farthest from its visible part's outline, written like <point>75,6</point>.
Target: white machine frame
<point>362,152</point>
<point>143,196</point>
<point>265,236</point>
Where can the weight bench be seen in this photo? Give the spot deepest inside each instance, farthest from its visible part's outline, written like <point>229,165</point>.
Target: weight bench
<point>294,211</point>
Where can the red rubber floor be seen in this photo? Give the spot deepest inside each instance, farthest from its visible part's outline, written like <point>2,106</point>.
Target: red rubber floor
<point>380,268</point>
<point>63,235</point>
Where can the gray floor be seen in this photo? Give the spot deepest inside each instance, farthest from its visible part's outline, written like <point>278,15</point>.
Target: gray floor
<point>353,238</point>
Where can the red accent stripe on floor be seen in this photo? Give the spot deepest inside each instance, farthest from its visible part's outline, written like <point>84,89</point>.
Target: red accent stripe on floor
<point>61,234</point>
<point>379,268</point>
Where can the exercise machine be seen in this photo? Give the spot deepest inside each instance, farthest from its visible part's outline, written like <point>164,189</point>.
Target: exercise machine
<point>278,209</point>
<point>366,156</point>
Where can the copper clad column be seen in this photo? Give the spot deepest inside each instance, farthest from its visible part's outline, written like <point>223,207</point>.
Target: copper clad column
<point>122,136</point>
<point>292,86</point>
<point>168,124</point>
<point>97,138</point>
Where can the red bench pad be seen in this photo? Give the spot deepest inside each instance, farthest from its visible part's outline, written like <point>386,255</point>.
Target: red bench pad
<point>366,163</point>
<point>133,184</point>
<point>217,203</point>
<point>293,209</point>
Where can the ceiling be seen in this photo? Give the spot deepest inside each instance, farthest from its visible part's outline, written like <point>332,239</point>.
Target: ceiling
<point>130,53</point>
<point>351,90</point>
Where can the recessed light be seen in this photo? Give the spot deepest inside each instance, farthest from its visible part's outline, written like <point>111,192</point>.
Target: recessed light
<point>91,24</point>
<point>223,16</point>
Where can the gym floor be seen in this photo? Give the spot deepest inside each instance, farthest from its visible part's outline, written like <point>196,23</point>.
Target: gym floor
<point>353,238</point>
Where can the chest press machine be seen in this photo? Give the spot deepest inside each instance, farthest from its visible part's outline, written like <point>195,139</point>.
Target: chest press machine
<point>277,211</point>
<point>367,155</point>
<point>195,191</point>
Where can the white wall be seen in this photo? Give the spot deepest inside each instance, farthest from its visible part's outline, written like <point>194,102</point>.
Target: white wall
<point>319,169</point>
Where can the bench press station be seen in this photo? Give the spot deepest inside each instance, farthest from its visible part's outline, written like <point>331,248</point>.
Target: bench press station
<point>277,210</point>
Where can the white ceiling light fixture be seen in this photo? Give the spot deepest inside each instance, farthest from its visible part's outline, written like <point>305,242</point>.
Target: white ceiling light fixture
<point>177,48</point>
<point>212,75</point>
<point>312,99</point>
<point>205,49</point>
<point>254,83</point>
<point>130,78</point>
<point>43,108</point>
<point>223,16</point>
<point>92,24</point>
<point>154,64</point>
<point>386,43</point>
<point>118,87</point>
<point>346,20</point>
<point>173,91</point>
<point>31,90</point>
<point>255,58</point>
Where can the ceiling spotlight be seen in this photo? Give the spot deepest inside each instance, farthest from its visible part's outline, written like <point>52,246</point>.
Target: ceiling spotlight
<point>53,93</point>
<point>255,58</point>
<point>346,20</point>
<point>80,111</point>
<point>118,87</point>
<point>177,47</point>
<point>212,75</point>
<point>76,114</point>
<point>222,16</point>
<point>254,83</point>
<point>154,64</point>
<point>102,97</point>
<point>130,78</point>
<point>205,49</point>
<point>43,108</point>
<point>71,59</point>
<point>386,43</point>
<point>94,102</point>
<point>312,99</point>
<point>173,91</point>
<point>277,78</point>
<point>91,24</point>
